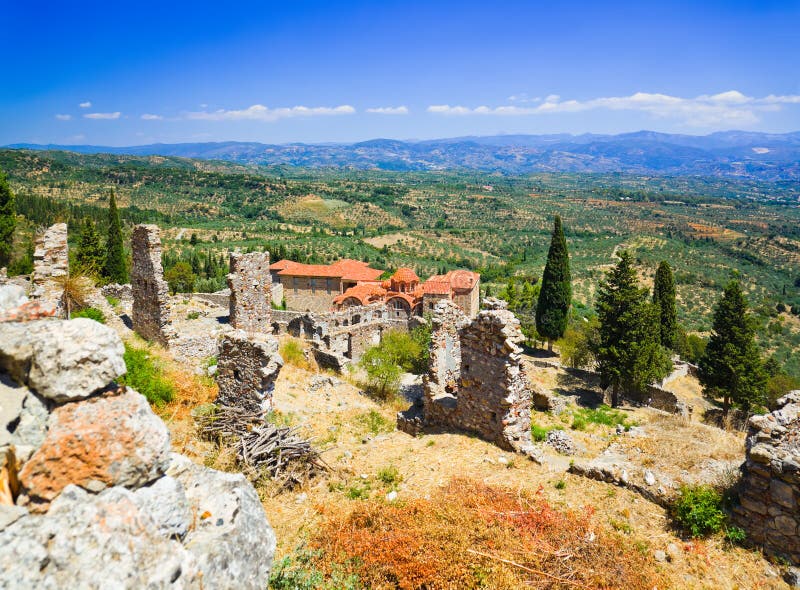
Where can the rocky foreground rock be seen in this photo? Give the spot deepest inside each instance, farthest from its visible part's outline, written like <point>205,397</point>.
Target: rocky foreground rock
<point>90,495</point>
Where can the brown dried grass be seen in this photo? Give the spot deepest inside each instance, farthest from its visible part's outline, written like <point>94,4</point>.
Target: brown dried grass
<point>470,533</point>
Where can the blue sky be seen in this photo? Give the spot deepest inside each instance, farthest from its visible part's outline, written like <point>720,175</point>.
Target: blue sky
<point>125,73</point>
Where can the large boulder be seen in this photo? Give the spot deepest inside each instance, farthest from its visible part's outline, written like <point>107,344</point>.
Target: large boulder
<point>11,297</point>
<point>63,360</point>
<point>108,440</point>
<point>94,541</point>
<point>232,539</point>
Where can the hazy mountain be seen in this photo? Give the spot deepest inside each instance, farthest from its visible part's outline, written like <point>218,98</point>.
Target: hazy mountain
<point>765,156</point>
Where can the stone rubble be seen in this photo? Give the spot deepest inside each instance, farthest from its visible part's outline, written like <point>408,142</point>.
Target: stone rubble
<point>90,496</point>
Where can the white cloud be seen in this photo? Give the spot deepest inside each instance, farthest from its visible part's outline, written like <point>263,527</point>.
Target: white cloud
<point>114,115</point>
<point>151,117</point>
<point>259,112</point>
<point>401,110</point>
<point>63,117</point>
<point>85,105</point>
<point>727,108</point>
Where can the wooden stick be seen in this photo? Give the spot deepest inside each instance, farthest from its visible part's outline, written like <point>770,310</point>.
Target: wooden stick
<point>527,569</point>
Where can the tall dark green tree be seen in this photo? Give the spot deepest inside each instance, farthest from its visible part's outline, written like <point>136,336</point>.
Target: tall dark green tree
<point>629,351</point>
<point>664,298</point>
<point>731,367</point>
<point>555,297</point>
<point>8,220</point>
<point>116,269</point>
<point>90,255</point>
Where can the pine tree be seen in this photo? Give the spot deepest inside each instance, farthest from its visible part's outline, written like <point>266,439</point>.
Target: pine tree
<point>628,353</point>
<point>731,367</point>
<point>115,270</point>
<point>8,220</point>
<point>664,298</point>
<point>555,297</point>
<point>90,255</point>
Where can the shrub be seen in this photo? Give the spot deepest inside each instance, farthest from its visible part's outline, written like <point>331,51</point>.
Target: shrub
<point>735,536</point>
<point>112,301</point>
<point>90,312</point>
<point>698,510</point>
<point>603,415</point>
<point>374,423</point>
<point>291,351</point>
<point>578,344</point>
<point>180,278</point>
<point>389,476</point>
<point>192,315</point>
<point>466,531</point>
<point>145,376</point>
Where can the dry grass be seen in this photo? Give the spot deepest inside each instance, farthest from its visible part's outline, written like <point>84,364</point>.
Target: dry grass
<point>472,535</point>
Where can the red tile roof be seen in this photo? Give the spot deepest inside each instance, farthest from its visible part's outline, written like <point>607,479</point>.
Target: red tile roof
<point>405,275</point>
<point>458,280</point>
<point>348,270</point>
<point>366,293</point>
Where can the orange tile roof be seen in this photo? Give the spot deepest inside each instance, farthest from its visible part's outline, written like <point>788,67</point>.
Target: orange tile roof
<point>405,275</point>
<point>349,270</point>
<point>365,293</point>
<point>461,280</point>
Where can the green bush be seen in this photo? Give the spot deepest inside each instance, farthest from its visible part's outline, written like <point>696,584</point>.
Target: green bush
<point>390,476</point>
<point>292,353</point>
<point>89,312</point>
<point>735,536</point>
<point>698,510</point>
<point>295,572</point>
<point>374,423</point>
<point>145,376</point>
<point>603,415</point>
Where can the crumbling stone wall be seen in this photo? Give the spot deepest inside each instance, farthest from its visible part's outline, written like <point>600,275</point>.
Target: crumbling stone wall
<point>251,300</point>
<point>247,367</point>
<point>770,488</point>
<point>150,293</point>
<point>476,381</point>
<point>50,261</point>
<point>51,254</point>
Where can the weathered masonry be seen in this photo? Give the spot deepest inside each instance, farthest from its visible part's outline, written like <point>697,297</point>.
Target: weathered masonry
<point>50,261</point>
<point>251,299</point>
<point>476,381</point>
<point>247,367</point>
<point>150,293</point>
<point>770,488</point>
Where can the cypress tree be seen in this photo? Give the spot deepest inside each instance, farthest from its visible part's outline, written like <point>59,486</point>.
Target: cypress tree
<point>90,255</point>
<point>8,220</point>
<point>555,297</point>
<point>731,367</point>
<point>664,298</point>
<point>628,352</point>
<point>115,268</point>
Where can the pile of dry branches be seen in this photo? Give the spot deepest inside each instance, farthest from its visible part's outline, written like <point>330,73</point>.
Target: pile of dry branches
<point>261,447</point>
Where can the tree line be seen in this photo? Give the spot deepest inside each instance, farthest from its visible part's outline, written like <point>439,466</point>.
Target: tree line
<point>635,333</point>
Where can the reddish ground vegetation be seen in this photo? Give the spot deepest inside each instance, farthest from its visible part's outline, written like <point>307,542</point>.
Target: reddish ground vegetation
<point>470,535</point>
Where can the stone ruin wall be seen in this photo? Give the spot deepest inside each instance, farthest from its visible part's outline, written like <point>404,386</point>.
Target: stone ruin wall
<point>250,283</point>
<point>440,384</point>
<point>247,367</point>
<point>493,395</point>
<point>476,381</point>
<point>50,261</point>
<point>149,289</point>
<point>770,489</point>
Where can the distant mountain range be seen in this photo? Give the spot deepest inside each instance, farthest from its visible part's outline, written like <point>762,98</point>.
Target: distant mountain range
<point>763,156</point>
